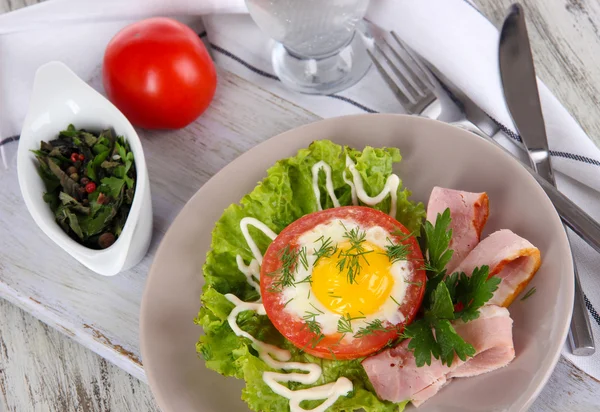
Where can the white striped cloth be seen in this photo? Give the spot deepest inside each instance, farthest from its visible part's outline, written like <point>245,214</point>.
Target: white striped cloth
<point>77,31</point>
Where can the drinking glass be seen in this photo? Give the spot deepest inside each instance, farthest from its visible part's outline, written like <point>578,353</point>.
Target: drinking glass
<point>320,47</point>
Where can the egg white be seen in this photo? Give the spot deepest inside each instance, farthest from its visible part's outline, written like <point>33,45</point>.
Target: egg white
<point>300,301</point>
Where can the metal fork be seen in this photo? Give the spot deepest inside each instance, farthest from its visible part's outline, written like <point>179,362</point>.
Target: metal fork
<point>414,94</point>
<point>413,85</point>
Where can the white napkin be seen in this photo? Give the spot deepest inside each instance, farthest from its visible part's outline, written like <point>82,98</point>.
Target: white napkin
<point>451,34</point>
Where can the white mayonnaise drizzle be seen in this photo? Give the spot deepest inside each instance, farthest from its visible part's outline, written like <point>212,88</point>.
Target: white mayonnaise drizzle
<point>328,183</point>
<point>358,189</point>
<point>252,271</point>
<point>278,358</point>
<point>251,243</point>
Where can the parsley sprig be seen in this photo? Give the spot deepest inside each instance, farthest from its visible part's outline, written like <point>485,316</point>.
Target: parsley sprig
<point>447,298</point>
<point>435,244</point>
<point>349,260</point>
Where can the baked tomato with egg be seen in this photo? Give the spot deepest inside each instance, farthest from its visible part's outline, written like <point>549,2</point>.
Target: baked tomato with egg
<point>341,283</point>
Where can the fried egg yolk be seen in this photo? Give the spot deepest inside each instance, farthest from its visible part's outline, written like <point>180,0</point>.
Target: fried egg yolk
<point>370,288</point>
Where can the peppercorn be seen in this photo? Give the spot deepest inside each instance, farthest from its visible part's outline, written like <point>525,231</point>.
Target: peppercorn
<point>84,180</point>
<point>81,157</point>
<point>74,157</point>
<point>85,202</point>
<point>105,240</point>
<point>74,176</point>
<point>71,170</point>
<point>90,187</point>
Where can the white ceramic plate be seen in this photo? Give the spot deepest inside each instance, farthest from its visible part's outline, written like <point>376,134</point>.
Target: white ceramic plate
<point>434,153</point>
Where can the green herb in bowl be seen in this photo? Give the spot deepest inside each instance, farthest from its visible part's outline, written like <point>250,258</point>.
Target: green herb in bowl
<point>90,183</point>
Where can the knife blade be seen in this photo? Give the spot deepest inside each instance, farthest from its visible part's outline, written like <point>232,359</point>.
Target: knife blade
<point>519,82</point>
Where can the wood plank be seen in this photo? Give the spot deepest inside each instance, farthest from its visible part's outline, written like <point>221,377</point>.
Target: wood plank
<point>566,49</point>
<point>42,370</point>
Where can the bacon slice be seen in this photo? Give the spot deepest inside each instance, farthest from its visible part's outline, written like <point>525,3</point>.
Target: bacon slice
<point>469,212</point>
<point>396,377</point>
<point>510,257</point>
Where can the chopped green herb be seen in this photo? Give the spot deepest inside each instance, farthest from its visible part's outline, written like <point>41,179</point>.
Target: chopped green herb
<point>529,293</point>
<point>289,264</point>
<point>307,279</point>
<point>325,249</point>
<point>371,328</point>
<point>303,258</point>
<point>313,327</point>
<point>89,201</point>
<point>345,323</point>
<point>349,260</point>
<point>395,301</point>
<point>286,303</point>
<point>408,282</point>
<point>396,252</point>
<point>340,339</point>
<point>317,309</point>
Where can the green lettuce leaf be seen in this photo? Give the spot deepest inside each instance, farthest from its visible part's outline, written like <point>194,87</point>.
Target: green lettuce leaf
<point>285,195</point>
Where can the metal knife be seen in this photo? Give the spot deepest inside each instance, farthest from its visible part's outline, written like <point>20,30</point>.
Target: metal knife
<point>482,125</point>
<point>522,98</point>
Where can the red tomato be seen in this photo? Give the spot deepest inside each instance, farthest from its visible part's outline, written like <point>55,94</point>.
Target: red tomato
<point>159,74</point>
<point>294,328</point>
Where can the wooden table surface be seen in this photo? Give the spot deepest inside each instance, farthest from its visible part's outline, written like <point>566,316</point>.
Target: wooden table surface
<point>44,368</point>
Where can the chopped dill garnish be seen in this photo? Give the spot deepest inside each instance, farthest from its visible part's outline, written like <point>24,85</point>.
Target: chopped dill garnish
<point>310,321</point>
<point>286,303</point>
<point>371,328</point>
<point>325,249</point>
<point>349,260</point>
<point>315,341</point>
<point>307,279</point>
<point>529,293</point>
<point>303,258</point>
<point>289,265</point>
<point>395,301</point>
<point>397,252</point>
<point>340,339</point>
<point>317,309</point>
<point>413,283</point>
<point>345,323</point>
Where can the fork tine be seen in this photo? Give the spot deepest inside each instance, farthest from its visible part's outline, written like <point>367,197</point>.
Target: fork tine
<point>416,60</point>
<point>421,87</point>
<point>403,80</point>
<point>390,82</point>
